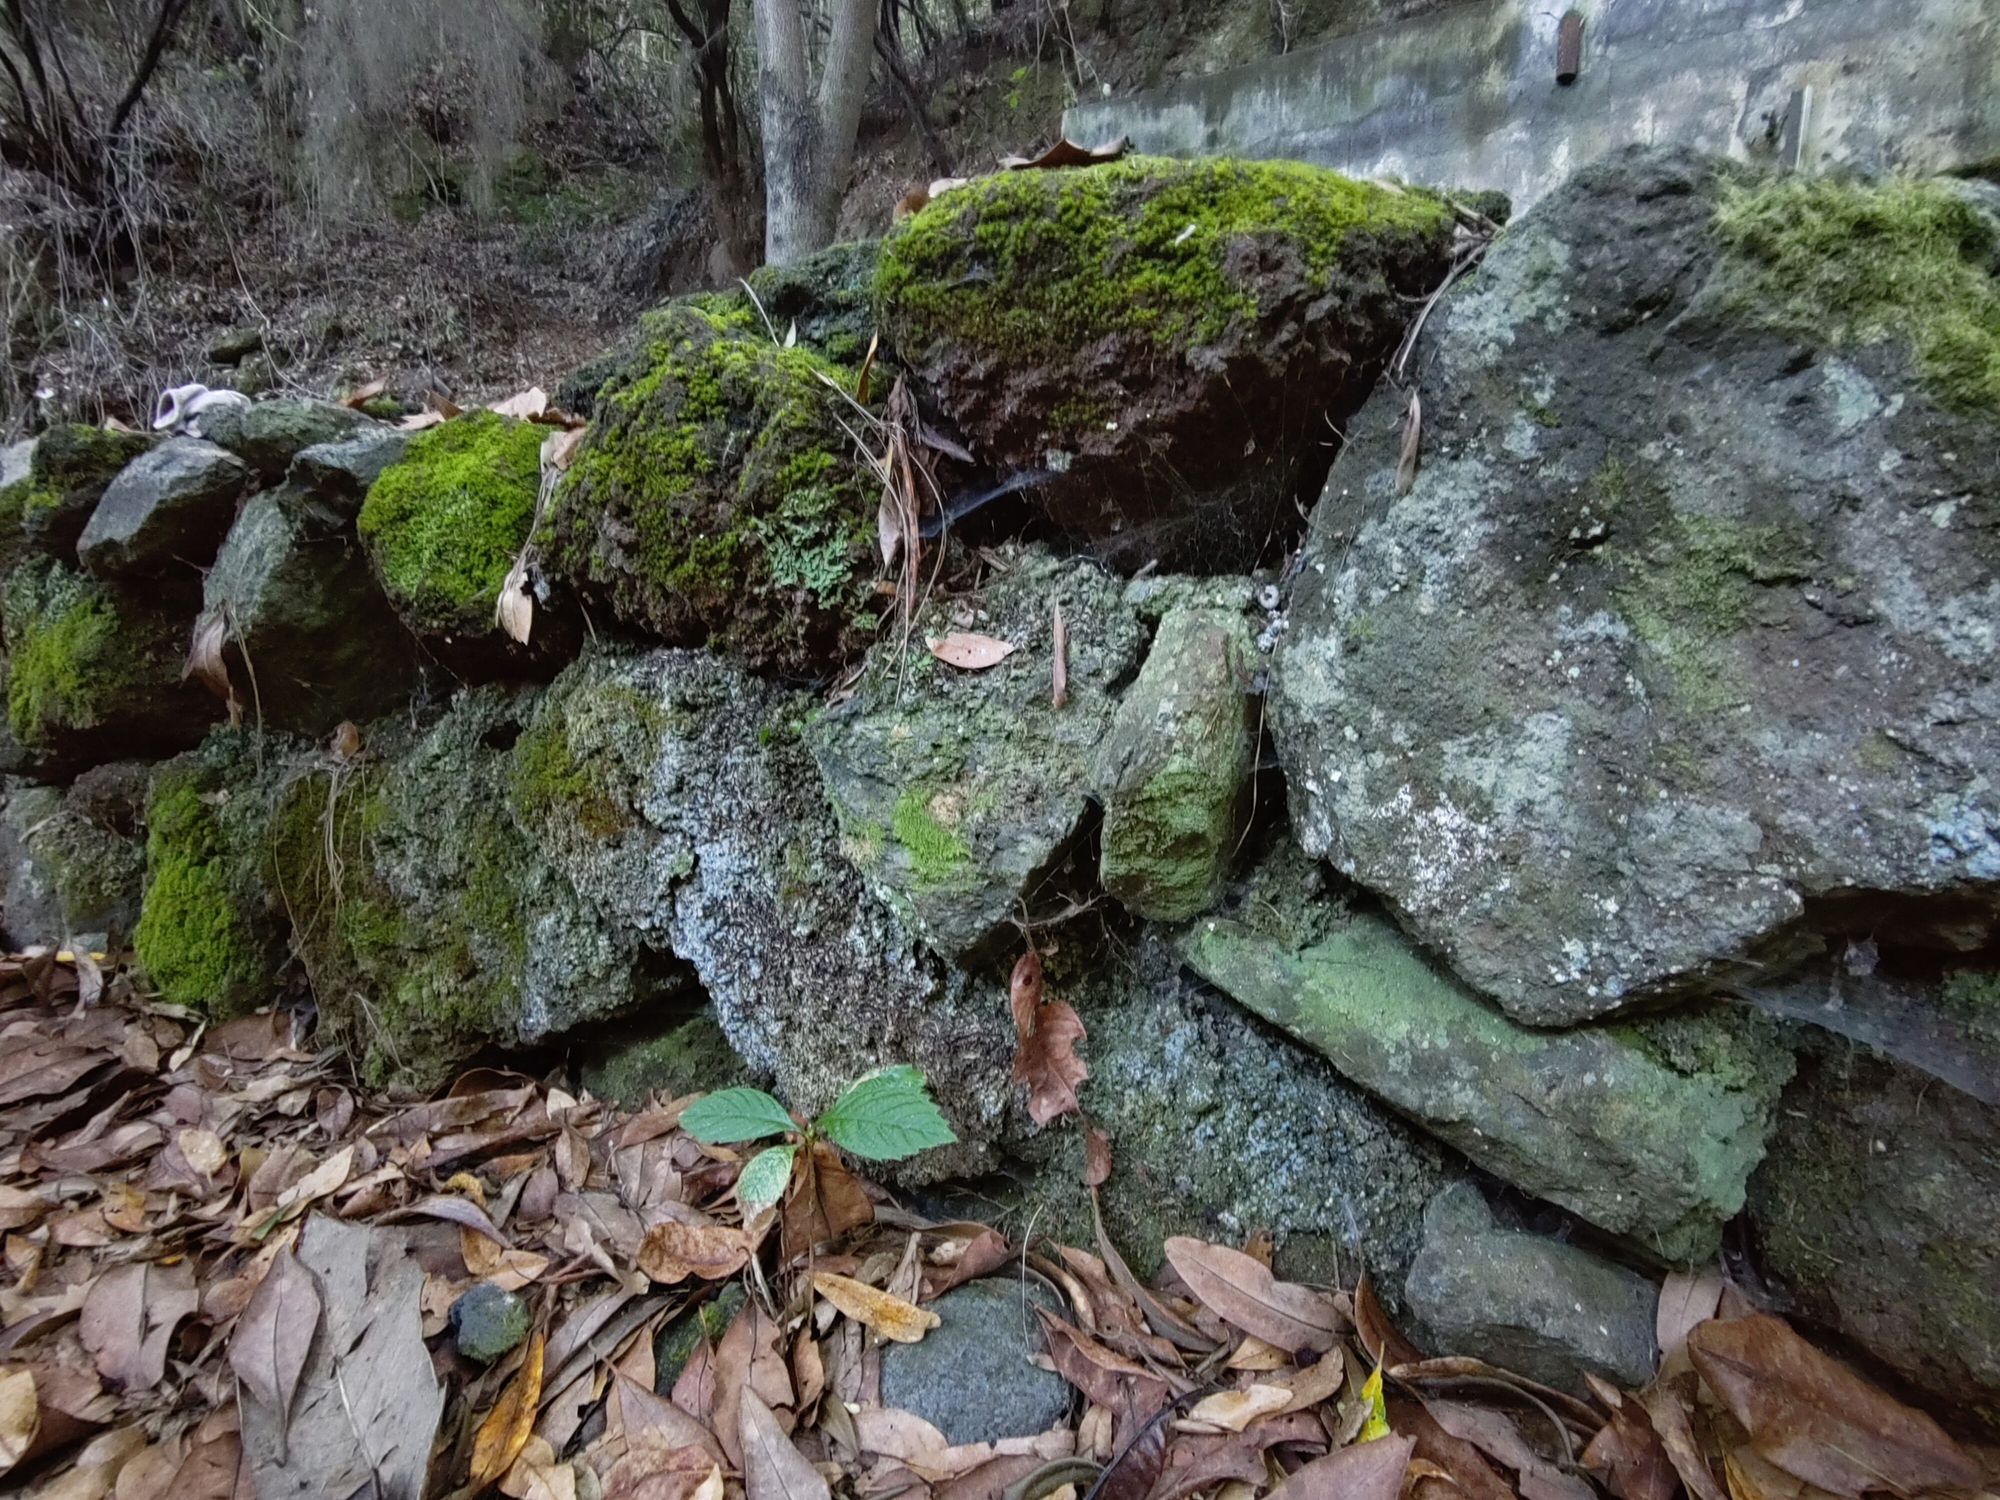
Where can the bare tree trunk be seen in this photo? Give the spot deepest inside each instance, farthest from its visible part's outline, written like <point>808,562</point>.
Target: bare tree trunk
<point>809,133</point>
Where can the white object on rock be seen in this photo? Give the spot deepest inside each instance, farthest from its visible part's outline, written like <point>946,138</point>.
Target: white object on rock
<point>181,406</point>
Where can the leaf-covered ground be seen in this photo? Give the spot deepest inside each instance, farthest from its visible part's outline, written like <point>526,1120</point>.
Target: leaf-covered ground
<point>228,1273</point>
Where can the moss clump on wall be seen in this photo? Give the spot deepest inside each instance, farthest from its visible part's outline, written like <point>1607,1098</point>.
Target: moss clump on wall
<point>193,939</point>
<point>67,659</point>
<point>1037,265</point>
<point>718,499</point>
<point>445,523</point>
<point>938,856</point>
<point>1839,263</point>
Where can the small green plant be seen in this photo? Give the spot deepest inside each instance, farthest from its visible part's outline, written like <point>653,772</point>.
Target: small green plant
<point>885,1115</point>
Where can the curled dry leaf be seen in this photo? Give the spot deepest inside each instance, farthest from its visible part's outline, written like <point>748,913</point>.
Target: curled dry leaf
<point>1243,1292</point>
<point>892,1317</point>
<point>504,1432</point>
<point>205,661</point>
<point>538,1474</point>
<point>1411,454</point>
<point>1232,1411</point>
<point>525,405</point>
<point>419,421</point>
<point>672,1252</point>
<point>1067,153</point>
<point>1059,672</point>
<point>361,395</point>
<point>969,651</point>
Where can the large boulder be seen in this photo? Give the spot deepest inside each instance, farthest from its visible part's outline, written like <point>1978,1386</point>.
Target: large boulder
<point>268,435</point>
<point>307,637</point>
<point>718,497</point>
<point>94,672</point>
<point>444,524</point>
<point>1161,344</point>
<point>1682,642</point>
<point>67,475</point>
<point>165,513</point>
<point>1878,1208</point>
<point>67,872</point>
<point>1649,1130</point>
<point>959,790</point>
<point>672,792</point>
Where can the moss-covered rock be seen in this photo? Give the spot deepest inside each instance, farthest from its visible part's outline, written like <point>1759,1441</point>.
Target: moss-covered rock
<point>829,297</point>
<point>957,791</point>
<point>71,467</point>
<point>1174,771</point>
<point>1648,1130</point>
<point>1164,342</point>
<point>691,1056</point>
<point>65,873</point>
<point>718,499</point>
<point>445,522</point>
<point>93,672</point>
<point>210,934</point>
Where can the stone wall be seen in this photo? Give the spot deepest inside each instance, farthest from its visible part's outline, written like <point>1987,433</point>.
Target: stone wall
<point>1468,98</point>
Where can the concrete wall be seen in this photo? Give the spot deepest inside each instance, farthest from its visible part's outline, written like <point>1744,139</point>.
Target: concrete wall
<point>1468,98</point>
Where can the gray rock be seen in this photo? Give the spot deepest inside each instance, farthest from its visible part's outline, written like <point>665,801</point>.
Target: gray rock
<point>1526,1302</point>
<point>64,874</point>
<point>1648,1130</point>
<point>268,435</point>
<point>973,1377</point>
<point>957,791</point>
<point>1878,1208</point>
<point>1684,634</point>
<point>167,510</point>
<point>671,791</point>
<point>310,638</point>
<point>237,345</point>
<point>686,1057</point>
<point>16,459</point>
<point>486,1322</point>
<point>67,475</point>
<point>339,473</point>
<point>1174,771</point>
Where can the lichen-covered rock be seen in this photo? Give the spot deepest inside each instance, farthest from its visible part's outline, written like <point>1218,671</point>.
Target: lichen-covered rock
<point>1648,1130</point>
<point>829,297</point>
<point>445,523</point>
<point>211,928</point>
<point>672,792</point>
<point>1529,1303</point>
<point>688,1056</point>
<point>64,874</point>
<point>1174,771</point>
<point>957,790</point>
<point>429,922</point>
<point>268,435</point>
<point>718,499</point>
<point>1878,1209</point>
<point>339,474</point>
<point>67,475</point>
<point>95,672</point>
<point>309,639</point>
<point>1685,634</point>
<point>1219,1126</point>
<point>166,512</point>
<point>1163,341</point>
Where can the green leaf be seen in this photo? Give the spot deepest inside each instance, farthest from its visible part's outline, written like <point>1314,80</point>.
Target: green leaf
<point>762,1180</point>
<point>886,1116</point>
<point>736,1115</point>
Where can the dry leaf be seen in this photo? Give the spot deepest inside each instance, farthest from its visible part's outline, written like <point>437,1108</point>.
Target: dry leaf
<point>1059,673</point>
<point>524,406</point>
<point>1241,1291</point>
<point>1232,1411</point>
<point>773,1469</point>
<point>970,652</point>
<point>1687,1299</point>
<point>1366,1471</point>
<point>362,395</point>
<point>20,1416</point>
<point>1046,1062</point>
<point>1816,1419</point>
<point>504,1433</point>
<point>1627,1456</point>
<point>1096,1157</point>
<point>268,1350</point>
<point>419,421</point>
<point>672,1252</point>
<point>1067,153</point>
<point>538,1475</point>
<point>129,1318</point>
<point>892,1317</point>
<point>867,367</point>
<point>1412,445</point>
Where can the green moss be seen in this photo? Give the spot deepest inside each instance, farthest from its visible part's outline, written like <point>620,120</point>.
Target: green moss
<point>689,1057</point>
<point>938,856</point>
<point>445,523</point>
<point>76,456</point>
<point>743,516</point>
<point>550,781</point>
<point>1837,263</point>
<point>1039,264</point>
<point>192,940</point>
<point>66,659</point>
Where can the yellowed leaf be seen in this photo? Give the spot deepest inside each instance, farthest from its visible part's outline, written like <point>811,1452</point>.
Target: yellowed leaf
<point>672,1252</point>
<point>1232,1411</point>
<point>20,1415</point>
<point>203,1149</point>
<point>525,405</point>
<point>360,396</point>
<point>970,652</point>
<point>419,421</point>
<point>538,1475</point>
<point>1254,1355</point>
<point>506,1430</point>
<point>892,1317</point>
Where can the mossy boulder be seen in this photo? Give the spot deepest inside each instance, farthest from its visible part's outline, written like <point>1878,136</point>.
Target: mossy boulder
<point>268,435</point>
<point>1163,343</point>
<point>1683,637</point>
<point>445,523</point>
<point>67,475</point>
<point>1648,1130</point>
<point>689,1056</point>
<point>94,672</point>
<point>958,791</point>
<point>308,637</point>
<point>829,298</point>
<point>211,932</point>
<point>718,499</point>
<point>66,871</point>
<point>165,514</point>
<point>1174,771</point>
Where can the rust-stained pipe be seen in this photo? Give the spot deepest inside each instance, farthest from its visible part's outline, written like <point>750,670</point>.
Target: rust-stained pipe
<point>1569,48</point>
